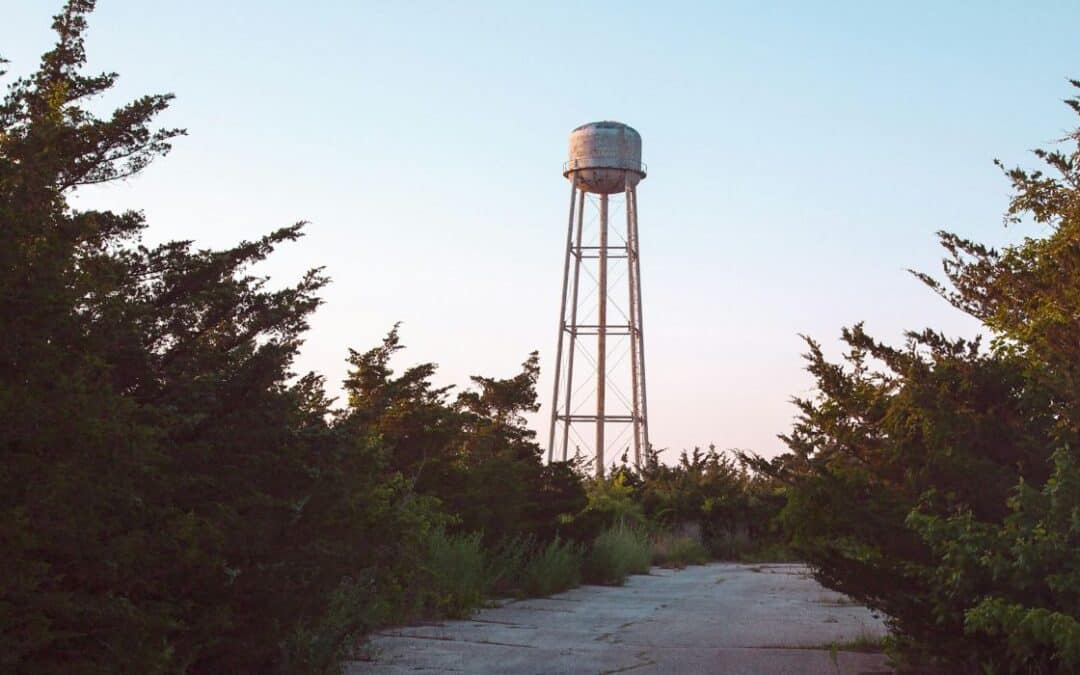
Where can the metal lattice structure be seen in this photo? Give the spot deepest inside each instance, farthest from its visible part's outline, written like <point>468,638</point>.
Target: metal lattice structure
<point>604,169</point>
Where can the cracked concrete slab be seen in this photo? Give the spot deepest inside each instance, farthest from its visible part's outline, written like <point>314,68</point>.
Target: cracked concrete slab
<point>718,618</point>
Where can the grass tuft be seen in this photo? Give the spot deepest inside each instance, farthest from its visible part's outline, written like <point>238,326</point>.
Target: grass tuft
<point>739,546</point>
<point>455,563</point>
<point>863,642</point>
<point>617,553</point>
<point>505,564</point>
<point>554,568</point>
<point>677,551</point>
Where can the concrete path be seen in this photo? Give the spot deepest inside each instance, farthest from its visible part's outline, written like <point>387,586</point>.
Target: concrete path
<point>718,618</point>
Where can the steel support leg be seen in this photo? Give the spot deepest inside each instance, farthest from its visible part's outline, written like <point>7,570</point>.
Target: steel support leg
<point>573,325</point>
<point>562,323</point>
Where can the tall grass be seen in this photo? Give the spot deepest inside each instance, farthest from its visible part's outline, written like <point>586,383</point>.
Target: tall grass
<point>505,564</point>
<point>670,550</point>
<point>617,553</point>
<point>455,564</point>
<point>555,567</point>
<point>741,547</point>
<point>727,545</point>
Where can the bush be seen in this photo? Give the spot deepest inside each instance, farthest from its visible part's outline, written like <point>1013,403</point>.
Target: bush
<point>678,551</point>
<point>555,567</point>
<point>612,501</point>
<point>742,547</point>
<point>727,545</point>
<point>505,563</point>
<point>770,552</point>
<point>616,553</point>
<point>939,481</point>
<point>456,567</point>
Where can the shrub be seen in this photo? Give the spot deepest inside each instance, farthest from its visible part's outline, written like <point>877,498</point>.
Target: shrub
<point>456,567</point>
<point>743,547</point>
<point>616,553</point>
<point>505,563</point>
<point>555,567</point>
<point>727,545</point>
<point>612,501</point>
<point>938,481</point>
<point>770,552</point>
<point>678,551</point>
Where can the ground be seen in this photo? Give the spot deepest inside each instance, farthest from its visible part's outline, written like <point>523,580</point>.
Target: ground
<point>719,618</point>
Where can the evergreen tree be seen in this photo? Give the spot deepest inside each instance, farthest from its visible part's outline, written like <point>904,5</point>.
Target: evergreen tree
<point>172,498</point>
<point>939,481</point>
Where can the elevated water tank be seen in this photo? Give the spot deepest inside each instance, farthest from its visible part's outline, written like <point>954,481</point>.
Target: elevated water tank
<point>605,157</point>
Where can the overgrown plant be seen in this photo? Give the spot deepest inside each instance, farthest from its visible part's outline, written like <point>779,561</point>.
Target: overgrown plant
<point>554,567</point>
<point>677,551</point>
<point>615,554</point>
<point>174,497</point>
<point>939,481</point>
<point>456,565</point>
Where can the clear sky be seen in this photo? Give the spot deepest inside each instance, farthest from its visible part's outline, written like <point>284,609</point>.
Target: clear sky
<point>801,158</point>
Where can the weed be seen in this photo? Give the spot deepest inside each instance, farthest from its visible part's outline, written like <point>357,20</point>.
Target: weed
<point>677,551</point>
<point>505,564</point>
<point>555,567</point>
<point>837,601</point>
<point>865,641</point>
<point>616,553</point>
<point>769,553</point>
<point>456,566</point>
<point>729,545</point>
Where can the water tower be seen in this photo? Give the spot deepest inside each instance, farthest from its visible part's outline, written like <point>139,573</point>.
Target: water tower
<point>600,408</point>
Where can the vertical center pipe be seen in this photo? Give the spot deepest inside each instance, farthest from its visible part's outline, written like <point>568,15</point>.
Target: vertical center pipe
<point>562,323</point>
<point>601,337</point>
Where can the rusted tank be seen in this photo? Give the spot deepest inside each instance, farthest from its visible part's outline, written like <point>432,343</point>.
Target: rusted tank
<point>605,157</point>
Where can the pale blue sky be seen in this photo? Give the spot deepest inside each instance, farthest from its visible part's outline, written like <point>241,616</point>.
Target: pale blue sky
<point>801,158</point>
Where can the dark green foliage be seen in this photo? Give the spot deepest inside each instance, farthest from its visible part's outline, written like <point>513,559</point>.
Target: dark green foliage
<point>714,490</point>
<point>172,498</point>
<point>939,481</point>
<point>712,496</point>
<point>473,453</point>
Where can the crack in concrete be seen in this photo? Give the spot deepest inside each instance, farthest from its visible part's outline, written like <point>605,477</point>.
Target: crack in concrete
<point>450,639</point>
<point>642,656</point>
<point>680,626</point>
<point>552,597</point>
<point>512,624</point>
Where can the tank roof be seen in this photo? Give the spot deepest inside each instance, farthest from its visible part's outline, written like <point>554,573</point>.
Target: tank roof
<point>606,124</point>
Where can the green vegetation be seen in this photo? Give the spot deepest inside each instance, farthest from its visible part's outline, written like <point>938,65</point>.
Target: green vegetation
<point>939,481</point>
<point>678,551</point>
<point>554,568</point>
<point>505,562</point>
<point>616,553</point>
<point>708,496</point>
<point>456,565</point>
<point>863,642</point>
<point>175,498</point>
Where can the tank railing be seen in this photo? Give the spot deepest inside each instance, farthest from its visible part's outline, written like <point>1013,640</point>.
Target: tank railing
<point>576,164</point>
